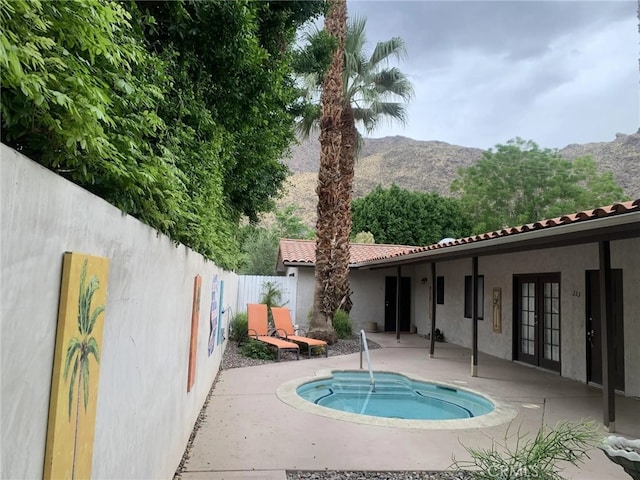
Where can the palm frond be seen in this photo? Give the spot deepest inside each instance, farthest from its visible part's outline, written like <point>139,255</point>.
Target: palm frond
<point>309,122</point>
<point>391,48</point>
<point>94,316</point>
<point>85,315</point>
<point>72,348</point>
<point>356,37</point>
<point>92,348</point>
<point>396,111</point>
<point>359,143</point>
<point>364,115</point>
<point>82,296</point>
<point>393,81</point>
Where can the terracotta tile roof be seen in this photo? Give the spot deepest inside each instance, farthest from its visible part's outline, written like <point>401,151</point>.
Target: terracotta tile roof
<point>303,251</point>
<point>585,215</point>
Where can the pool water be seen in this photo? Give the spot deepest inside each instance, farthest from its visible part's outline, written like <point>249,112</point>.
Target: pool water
<point>395,396</point>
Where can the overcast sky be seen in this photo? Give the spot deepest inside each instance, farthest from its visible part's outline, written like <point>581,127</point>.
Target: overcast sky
<point>556,72</point>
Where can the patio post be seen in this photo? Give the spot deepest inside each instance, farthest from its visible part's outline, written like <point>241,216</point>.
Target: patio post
<point>398,289</point>
<point>434,298</point>
<point>474,316</point>
<point>606,326</point>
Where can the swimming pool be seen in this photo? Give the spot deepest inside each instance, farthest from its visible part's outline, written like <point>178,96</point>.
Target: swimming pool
<point>393,396</point>
<point>400,400</point>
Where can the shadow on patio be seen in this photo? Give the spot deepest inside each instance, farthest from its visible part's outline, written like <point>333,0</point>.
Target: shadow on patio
<point>248,432</point>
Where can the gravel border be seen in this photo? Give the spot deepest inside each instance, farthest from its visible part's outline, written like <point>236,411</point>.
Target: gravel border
<point>368,475</point>
<point>234,359</point>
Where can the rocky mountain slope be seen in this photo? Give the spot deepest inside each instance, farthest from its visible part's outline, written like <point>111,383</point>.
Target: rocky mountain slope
<point>430,166</point>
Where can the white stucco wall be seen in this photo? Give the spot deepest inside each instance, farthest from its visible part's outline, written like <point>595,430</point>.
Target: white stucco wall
<point>368,297</point>
<point>144,413</point>
<point>368,294</point>
<point>571,263</point>
<point>304,293</point>
<point>626,255</point>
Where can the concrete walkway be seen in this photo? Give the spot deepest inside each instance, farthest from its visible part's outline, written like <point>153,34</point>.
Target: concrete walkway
<point>250,433</point>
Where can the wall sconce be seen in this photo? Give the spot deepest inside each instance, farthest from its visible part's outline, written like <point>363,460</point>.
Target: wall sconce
<point>424,280</point>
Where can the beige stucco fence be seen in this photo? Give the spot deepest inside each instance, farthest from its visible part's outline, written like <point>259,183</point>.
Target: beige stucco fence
<point>144,412</point>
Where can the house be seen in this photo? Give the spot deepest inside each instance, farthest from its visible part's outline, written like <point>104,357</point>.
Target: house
<point>539,297</point>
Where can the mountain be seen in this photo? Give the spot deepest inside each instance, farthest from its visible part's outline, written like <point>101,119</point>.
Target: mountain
<point>431,166</point>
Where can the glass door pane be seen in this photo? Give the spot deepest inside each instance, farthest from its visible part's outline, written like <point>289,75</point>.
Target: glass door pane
<point>551,315</point>
<point>527,316</point>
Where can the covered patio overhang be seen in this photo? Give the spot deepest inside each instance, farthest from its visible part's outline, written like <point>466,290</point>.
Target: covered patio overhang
<point>603,226</point>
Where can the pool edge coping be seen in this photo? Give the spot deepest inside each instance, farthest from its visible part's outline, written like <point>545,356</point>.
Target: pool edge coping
<point>502,413</point>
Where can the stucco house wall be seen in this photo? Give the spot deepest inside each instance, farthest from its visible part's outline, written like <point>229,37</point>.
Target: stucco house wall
<point>571,262</point>
<point>368,294</point>
<point>626,255</point>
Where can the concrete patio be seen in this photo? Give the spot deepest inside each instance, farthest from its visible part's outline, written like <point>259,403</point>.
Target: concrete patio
<point>249,432</point>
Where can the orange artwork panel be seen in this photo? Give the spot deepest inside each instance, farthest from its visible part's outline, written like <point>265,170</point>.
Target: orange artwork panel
<point>193,343</point>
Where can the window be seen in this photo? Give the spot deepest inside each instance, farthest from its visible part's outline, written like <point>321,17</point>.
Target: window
<point>468,299</point>
<point>440,290</point>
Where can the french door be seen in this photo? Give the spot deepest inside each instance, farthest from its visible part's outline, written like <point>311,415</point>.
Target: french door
<point>390,296</point>
<point>537,325</point>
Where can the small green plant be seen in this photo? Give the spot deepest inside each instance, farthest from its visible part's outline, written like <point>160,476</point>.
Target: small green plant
<point>271,294</point>
<point>239,328</point>
<point>342,324</point>
<point>528,459</point>
<point>255,349</point>
<point>271,297</point>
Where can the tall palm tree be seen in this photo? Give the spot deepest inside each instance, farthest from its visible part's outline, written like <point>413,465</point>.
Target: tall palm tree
<point>321,325</point>
<point>79,349</point>
<point>371,92</point>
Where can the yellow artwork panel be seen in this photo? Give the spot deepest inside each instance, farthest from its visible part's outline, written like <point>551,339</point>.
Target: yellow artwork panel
<point>76,367</point>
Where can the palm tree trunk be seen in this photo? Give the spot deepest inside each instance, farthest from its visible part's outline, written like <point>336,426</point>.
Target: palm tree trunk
<point>325,291</point>
<point>75,439</point>
<point>343,223</point>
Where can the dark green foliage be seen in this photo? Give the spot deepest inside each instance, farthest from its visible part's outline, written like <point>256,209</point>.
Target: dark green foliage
<point>256,349</point>
<point>176,112</point>
<point>315,58</point>
<point>79,95</point>
<point>342,324</point>
<point>239,328</point>
<point>519,183</point>
<point>402,217</point>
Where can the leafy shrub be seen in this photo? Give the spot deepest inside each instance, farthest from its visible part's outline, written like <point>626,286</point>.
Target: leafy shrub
<point>342,324</point>
<point>529,459</point>
<point>255,349</point>
<point>239,328</point>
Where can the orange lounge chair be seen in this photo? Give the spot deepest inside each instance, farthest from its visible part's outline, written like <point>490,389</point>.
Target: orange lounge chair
<point>258,327</point>
<point>284,329</point>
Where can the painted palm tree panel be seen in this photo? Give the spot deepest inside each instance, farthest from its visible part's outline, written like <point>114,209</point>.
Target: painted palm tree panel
<point>213,315</point>
<point>76,367</point>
